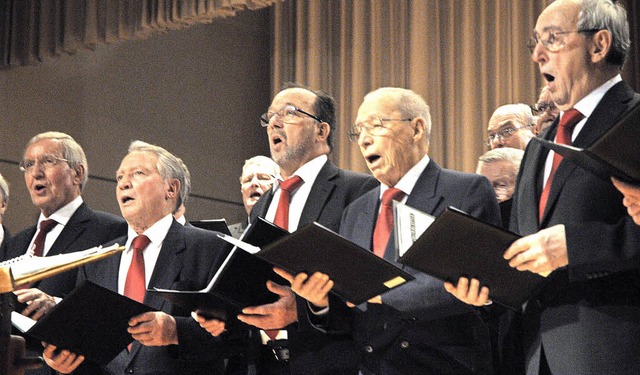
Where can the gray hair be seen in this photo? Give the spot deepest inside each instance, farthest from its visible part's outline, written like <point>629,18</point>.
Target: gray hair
<point>508,154</point>
<point>521,113</point>
<point>169,166</point>
<point>611,16</point>
<point>71,150</point>
<point>408,102</point>
<point>4,189</point>
<point>270,166</point>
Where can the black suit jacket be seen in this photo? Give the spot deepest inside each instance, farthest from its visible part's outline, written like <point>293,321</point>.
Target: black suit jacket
<point>86,228</point>
<point>7,237</point>
<point>188,259</point>
<point>420,328</point>
<point>587,317</point>
<point>333,190</point>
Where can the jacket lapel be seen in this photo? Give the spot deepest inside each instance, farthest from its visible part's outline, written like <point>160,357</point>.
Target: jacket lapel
<point>74,228</point>
<point>604,116</point>
<point>319,194</point>
<point>168,265</point>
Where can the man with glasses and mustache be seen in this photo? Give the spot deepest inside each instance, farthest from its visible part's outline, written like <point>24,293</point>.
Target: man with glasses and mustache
<point>510,126</point>
<point>301,126</point>
<point>586,318</point>
<point>56,172</point>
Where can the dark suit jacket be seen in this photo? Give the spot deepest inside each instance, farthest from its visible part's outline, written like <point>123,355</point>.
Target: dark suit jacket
<point>588,315</point>
<point>86,228</point>
<point>332,191</point>
<point>188,260</point>
<point>420,328</point>
<point>7,237</point>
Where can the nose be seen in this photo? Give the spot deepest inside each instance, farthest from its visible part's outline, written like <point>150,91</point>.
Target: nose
<point>123,183</point>
<point>497,141</point>
<point>539,54</point>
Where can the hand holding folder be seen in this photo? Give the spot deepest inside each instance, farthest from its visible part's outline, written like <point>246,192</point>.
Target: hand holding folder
<point>459,245</point>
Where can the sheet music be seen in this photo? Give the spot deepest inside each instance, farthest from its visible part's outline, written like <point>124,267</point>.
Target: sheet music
<point>408,225</point>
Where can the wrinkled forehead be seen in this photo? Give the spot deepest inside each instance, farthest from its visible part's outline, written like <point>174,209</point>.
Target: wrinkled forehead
<point>45,146</point>
<point>299,97</point>
<point>383,106</point>
<point>561,15</point>
<point>500,122</point>
<point>257,169</point>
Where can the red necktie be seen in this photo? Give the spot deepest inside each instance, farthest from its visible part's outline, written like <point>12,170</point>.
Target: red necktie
<point>134,285</point>
<point>569,119</point>
<point>38,244</point>
<point>384,224</point>
<point>288,187</point>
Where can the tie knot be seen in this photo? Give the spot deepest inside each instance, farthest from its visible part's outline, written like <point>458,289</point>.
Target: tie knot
<point>570,118</point>
<point>391,194</point>
<point>291,184</point>
<point>141,242</point>
<point>47,225</point>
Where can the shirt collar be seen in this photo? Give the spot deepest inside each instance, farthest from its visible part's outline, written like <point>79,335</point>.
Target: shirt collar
<point>63,214</point>
<point>587,104</point>
<point>408,181</point>
<point>310,170</point>
<point>156,233</point>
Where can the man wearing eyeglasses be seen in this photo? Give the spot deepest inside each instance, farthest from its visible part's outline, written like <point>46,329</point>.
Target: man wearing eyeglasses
<point>510,126</point>
<point>416,328</point>
<point>586,318</point>
<point>56,172</point>
<point>545,110</point>
<point>301,126</point>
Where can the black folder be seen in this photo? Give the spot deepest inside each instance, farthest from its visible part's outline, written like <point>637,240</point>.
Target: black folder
<point>218,225</point>
<point>457,244</point>
<point>358,274</point>
<point>240,282</point>
<point>91,321</point>
<point>616,153</point>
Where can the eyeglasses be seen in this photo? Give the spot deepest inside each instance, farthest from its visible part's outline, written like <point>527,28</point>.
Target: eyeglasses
<point>551,40</point>
<point>46,161</point>
<point>539,108</point>
<point>261,178</point>
<point>505,133</point>
<point>287,114</point>
<point>374,126</point>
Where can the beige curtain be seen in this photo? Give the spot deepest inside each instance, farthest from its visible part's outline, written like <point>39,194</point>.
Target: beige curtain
<point>465,57</point>
<point>32,30</point>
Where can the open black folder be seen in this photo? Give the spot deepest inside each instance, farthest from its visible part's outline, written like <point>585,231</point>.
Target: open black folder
<point>616,153</point>
<point>457,244</point>
<point>91,321</point>
<point>358,273</point>
<point>218,225</point>
<point>240,282</point>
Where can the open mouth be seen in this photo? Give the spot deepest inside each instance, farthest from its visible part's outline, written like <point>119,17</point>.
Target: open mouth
<point>548,77</point>
<point>125,199</point>
<point>372,158</point>
<point>276,139</point>
<point>40,187</point>
<point>255,195</point>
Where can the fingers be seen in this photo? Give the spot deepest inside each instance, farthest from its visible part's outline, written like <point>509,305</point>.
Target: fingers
<point>469,292</point>
<point>284,274</point>
<point>213,326</point>
<point>64,361</point>
<point>278,289</point>
<point>38,302</point>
